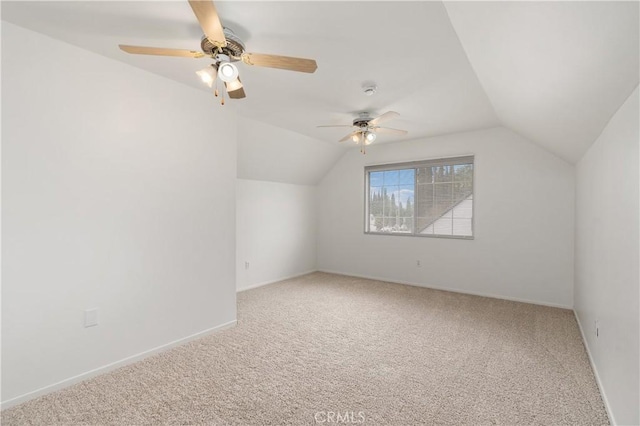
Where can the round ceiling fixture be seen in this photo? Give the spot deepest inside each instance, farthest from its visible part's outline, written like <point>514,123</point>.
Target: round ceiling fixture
<point>369,89</point>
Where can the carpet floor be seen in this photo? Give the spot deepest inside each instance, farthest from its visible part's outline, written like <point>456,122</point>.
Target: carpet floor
<point>326,349</point>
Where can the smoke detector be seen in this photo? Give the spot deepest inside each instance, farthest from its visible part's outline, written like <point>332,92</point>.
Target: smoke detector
<point>369,89</point>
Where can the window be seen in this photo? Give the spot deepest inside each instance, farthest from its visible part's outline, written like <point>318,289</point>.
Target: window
<point>422,198</point>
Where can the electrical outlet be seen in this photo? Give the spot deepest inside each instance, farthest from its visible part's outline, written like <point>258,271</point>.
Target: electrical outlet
<point>246,265</point>
<point>91,317</point>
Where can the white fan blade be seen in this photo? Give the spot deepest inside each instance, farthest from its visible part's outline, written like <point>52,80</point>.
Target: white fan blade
<point>346,138</point>
<point>389,131</point>
<point>384,117</point>
<point>336,125</point>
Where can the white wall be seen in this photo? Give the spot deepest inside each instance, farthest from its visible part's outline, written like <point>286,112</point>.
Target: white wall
<point>607,256</point>
<point>524,212</point>
<point>276,194</point>
<point>118,192</point>
<point>276,231</point>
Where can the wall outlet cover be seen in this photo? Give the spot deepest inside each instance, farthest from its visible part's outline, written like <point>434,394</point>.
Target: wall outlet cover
<point>91,317</point>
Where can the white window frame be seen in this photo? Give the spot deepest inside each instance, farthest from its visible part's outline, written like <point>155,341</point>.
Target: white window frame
<point>441,161</point>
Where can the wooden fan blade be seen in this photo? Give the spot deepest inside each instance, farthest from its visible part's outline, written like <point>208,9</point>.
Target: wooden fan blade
<point>389,131</point>
<point>237,94</point>
<point>235,89</point>
<point>281,62</point>
<point>209,21</point>
<point>161,51</point>
<point>384,117</point>
<point>349,136</point>
<point>336,125</point>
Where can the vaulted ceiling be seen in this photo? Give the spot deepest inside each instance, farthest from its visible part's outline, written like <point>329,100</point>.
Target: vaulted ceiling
<point>555,72</point>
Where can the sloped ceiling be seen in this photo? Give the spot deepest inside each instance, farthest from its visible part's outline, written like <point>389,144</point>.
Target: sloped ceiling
<point>267,152</point>
<point>554,72</point>
<point>409,49</point>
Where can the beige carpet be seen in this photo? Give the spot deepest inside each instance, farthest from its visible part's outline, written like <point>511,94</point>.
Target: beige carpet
<point>325,347</point>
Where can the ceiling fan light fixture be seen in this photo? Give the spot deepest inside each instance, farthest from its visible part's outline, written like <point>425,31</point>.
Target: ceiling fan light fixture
<point>223,47</point>
<point>207,75</point>
<point>369,137</point>
<point>228,72</point>
<point>365,129</point>
<point>234,85</point>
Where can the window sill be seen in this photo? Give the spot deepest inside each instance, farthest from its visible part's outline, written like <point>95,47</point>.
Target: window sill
<point>400,234</point>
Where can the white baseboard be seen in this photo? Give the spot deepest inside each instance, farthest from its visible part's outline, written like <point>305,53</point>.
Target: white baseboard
<point>607,407</point>
<point>453,290</point>
<point>275,281</point>
<point>110,367</point>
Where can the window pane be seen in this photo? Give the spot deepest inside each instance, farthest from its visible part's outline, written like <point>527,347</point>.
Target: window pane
<point>463,172</point>
<point>375,207</point>
<point>407,176</point>
<point>446,206</point>
<point>443,173</point>
<point>405,208</point>
<point>442,226</point>
<point>462,227</point>
<point>428,230</point>
<point>425,192</point>
<point>425,175</point>
<point>443,196</point>
<point>461,190</point>
<point>375,178</point>
<point>440,204</point>
<point>391,204</point>
<point>392,177</point>
<point>464,210</point>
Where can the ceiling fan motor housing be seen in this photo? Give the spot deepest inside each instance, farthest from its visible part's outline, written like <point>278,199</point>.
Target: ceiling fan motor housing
<point>363,120</point>
<point>361,124</point>
<point>234,48</point>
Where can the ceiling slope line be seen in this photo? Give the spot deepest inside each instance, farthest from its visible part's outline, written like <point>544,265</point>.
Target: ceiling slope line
<point>473,68</point>
<point>324,141</point>
<point>606,124</point>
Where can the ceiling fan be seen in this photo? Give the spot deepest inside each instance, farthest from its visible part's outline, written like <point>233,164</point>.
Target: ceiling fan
<point>366,128</point>
<point>225,48</point>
